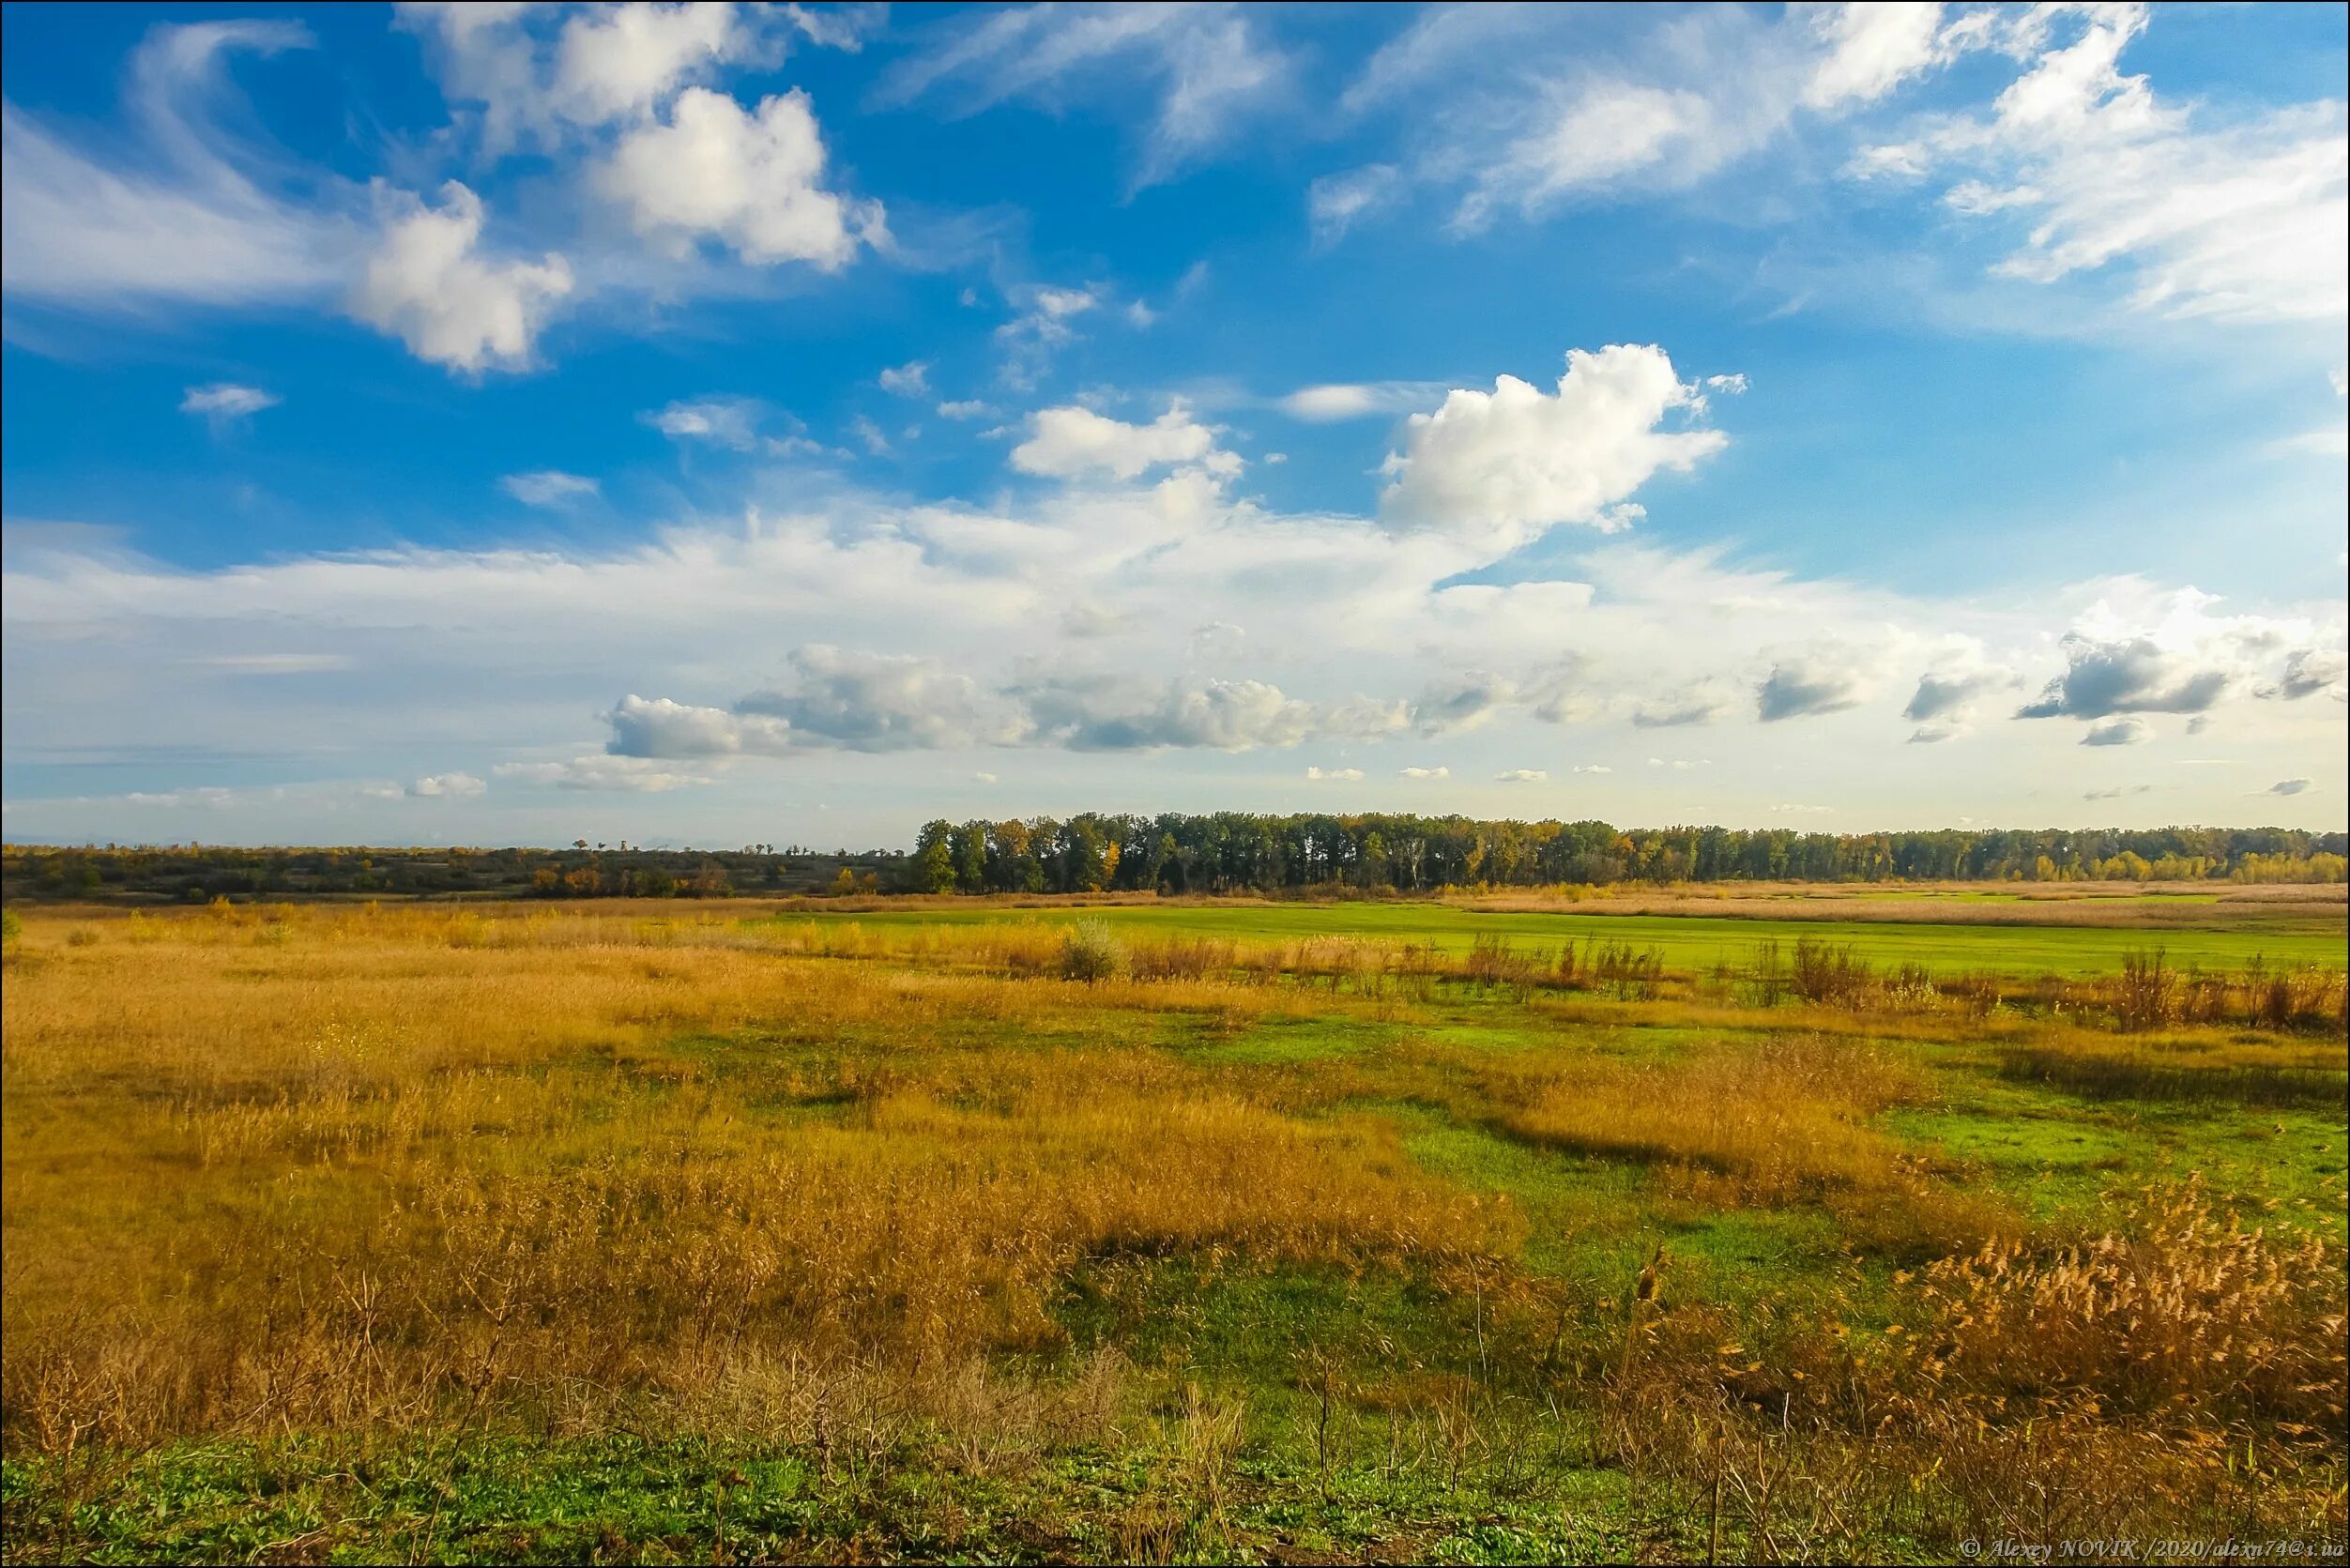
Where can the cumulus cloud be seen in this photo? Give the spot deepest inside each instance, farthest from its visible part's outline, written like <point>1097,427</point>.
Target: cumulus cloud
<point>447,787</point>
<point>2312,672</point>
<point>1809,684</point>
<point>2129,674</point>
<point>1072,443</point>
<point>1341,773</point>
<point>224,403</point>
<point>871,702</point>
<point>1592,768</point>
<point>521,82</point>
<point>622,60</point>
<point>1520,775</point>
<point>750,180</point>
<point>908,380</point>
<point>1461,702</point>
<point>1426,773</point>
<point>1951,693</point>
<point>548,487</point>
<point>1499,467</point>
<point>2118,732</point>
<point>1217,715</point>
<point>1701,704</point>
<point>967,408</point>
<point>427,285</point>
<point>661,727</point>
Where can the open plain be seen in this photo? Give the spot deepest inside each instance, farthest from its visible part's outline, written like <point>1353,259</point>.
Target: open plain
<point>1482,1230</point>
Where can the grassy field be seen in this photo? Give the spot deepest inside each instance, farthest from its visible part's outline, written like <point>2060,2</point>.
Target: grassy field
<point>2197,932</point>
<point>1169,1231</point>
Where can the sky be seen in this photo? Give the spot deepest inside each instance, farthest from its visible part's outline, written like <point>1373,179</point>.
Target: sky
<point>711,424</point>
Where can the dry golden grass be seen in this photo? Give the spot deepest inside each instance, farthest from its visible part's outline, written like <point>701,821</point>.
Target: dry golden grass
<point>291,1170</point>
<point>317,1168</point>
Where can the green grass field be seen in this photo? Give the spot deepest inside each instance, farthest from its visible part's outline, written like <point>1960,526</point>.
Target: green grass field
<point>1696,941</point>
<point>647,1235</point>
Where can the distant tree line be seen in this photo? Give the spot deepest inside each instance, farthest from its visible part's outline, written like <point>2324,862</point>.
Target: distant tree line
<point>200,873</point>
<point>1233,852</point>
<point>1225,852</point>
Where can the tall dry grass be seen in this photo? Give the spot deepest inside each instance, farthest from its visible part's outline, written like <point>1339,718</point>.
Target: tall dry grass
<point>297,1170</point>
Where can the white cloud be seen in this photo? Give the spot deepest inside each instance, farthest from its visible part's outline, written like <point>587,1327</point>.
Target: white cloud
<point>1042,325</point>
<point>1334,202</point>
<point>1214,715</point>
<point>548,487</point>
<point>1872,47</point>
<point>1592,768</point>
<point>224,403</point>
<point>1426,773</point>
<point>731,422</point>
<point>1499,467</point>
<point>1703,702</point>
<point>601,773</point>
<point>1074,443</point>
<point>182,214</point>
<point>2118,732</point>
<point>2244,221</point>
<point>1210,69</point>
<point>447,787</point>
<point>522,81</point>
<point>869,702</point>
<point>2138,652</point>
<point>659,727</point>
<point>964,410</point>
<point>908,380</point>
<point>621,60</point>
<point>1342,773</point>
<point>1951,692</point>
<point>750,180</point>
<point>2325,441</point>
<point>426,284</point>
<point>1521,775</point>
<point>1336,400</point>
<point>1811,683</point>
<point>1605,133</point>
<point>2311,672</point>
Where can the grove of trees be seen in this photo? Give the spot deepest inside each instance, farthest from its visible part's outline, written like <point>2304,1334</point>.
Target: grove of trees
<point>1235,851</point>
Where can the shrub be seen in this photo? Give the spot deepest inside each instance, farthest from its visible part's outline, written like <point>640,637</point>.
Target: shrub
<point>1091,954</point>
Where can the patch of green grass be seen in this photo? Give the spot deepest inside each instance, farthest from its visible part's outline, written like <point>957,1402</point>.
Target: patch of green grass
<point>1695,942</point>
<point>621,1499</point>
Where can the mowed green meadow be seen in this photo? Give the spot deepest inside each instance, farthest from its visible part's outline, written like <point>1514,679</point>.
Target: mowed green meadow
<point>2229,938</point>
<point>1169,1231</point>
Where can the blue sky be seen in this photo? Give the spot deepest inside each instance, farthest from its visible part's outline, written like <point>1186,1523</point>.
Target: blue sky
<point>721,424</point>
